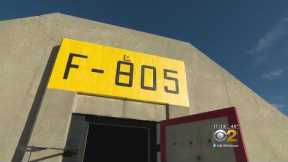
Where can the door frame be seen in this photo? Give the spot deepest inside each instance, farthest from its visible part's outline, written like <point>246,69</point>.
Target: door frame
<point>79,129</point>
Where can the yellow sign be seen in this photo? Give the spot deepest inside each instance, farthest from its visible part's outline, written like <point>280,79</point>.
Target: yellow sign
<point>107,71</point>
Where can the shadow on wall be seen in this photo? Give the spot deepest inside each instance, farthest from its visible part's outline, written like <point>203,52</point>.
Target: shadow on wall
<point>32,116</point>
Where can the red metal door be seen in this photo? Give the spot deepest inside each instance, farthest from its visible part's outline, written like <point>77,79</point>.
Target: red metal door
<point>207,137</point>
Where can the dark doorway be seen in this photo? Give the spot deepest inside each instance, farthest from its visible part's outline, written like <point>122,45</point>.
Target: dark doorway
<point>116,143</point>
<point>105,139</point>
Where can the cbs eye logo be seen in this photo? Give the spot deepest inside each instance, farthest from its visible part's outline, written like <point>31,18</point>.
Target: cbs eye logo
<point>222,135</point>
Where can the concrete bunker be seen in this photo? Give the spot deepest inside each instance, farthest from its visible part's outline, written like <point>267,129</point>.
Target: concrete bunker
<point>27,44</point>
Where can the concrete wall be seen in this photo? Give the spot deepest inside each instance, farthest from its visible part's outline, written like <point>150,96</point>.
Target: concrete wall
<point>26,45</point>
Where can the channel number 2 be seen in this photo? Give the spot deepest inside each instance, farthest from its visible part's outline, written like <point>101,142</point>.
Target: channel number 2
<point>231,133</point>
<point>145,68</point>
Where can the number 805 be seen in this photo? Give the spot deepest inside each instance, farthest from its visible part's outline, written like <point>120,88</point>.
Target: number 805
<point>144,68</point>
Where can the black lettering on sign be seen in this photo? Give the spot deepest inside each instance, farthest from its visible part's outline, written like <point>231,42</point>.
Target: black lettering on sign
<point>143,67</point>
<point>69,64</point>
<point>176,91</point>
<point>126,58</point>
<point>94,70</point>
<point>128,74</point>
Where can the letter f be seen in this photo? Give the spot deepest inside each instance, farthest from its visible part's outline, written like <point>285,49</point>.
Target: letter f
<point>69,64</point>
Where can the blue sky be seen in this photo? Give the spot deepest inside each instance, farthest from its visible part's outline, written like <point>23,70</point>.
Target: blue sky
<point>246,37</point>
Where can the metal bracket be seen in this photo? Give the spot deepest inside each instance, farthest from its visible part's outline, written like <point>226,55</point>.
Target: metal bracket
<point>66,152</point>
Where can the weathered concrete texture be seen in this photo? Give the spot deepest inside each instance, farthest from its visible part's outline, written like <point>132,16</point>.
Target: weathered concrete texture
<point>25,49</point>
<point>118,108</point>
<point>144,111</point>
<point>98,106</point>
<point>54,117</point>
<point>26,45</point>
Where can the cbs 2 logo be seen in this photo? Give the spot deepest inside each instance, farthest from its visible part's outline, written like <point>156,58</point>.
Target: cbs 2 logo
<point>221,135</point>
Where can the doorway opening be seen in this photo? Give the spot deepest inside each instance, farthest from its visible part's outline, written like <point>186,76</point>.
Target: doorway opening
<point>116,143</point>
<point>106,139</point>
<point>188,138</point>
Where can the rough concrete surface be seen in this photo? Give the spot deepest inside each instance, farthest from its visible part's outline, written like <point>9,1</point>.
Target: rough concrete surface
<point>27,43</point>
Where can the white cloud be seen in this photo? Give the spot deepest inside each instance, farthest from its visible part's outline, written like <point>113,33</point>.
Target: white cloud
<point>259,60</point>
<point>270,75</point>
<point>271,37</point>
<point>263,50</point>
